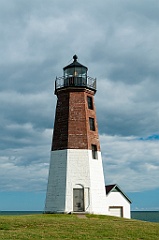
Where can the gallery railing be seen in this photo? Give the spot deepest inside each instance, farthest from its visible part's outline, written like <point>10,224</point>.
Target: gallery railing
<point>87,82</point>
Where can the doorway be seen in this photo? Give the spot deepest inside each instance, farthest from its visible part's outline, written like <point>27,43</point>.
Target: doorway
<point>78,200</point>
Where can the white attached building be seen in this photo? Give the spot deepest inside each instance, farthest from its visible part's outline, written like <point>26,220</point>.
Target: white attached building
<point>118,204</point>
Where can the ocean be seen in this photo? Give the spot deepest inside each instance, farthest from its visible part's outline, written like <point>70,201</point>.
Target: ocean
<point>149,216</point>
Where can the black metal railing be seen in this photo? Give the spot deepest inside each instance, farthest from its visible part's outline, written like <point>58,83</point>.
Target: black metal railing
<point>63,82</point>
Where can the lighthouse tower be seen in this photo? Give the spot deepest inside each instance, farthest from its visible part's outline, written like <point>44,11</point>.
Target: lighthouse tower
<point>76,180</point>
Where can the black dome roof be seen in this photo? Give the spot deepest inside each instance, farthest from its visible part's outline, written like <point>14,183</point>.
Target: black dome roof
<point>75,64</point>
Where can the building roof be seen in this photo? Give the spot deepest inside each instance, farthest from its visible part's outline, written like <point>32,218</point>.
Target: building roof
<point>115,187</point>
<point>75,64</point>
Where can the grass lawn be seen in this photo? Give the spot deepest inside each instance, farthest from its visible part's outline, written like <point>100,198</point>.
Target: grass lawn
<point>72,227</point>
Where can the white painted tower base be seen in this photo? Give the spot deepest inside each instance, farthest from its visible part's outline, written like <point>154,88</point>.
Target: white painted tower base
<point>73,172</point>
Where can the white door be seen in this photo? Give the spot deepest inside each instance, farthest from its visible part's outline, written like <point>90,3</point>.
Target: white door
<point>116,211</point>
<point>78,200</point>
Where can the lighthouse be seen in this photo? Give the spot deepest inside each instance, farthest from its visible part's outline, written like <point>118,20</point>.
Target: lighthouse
<point>76,180</point>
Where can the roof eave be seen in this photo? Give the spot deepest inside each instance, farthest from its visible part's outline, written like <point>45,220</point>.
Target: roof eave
<point>116,186</point>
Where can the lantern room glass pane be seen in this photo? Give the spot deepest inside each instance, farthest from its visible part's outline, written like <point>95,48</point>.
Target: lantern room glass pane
<point>75,72</point>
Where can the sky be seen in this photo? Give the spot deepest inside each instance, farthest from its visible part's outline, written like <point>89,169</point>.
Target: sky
<point>118,41</point>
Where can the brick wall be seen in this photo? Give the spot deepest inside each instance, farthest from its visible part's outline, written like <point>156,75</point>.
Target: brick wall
<point>71,127</point>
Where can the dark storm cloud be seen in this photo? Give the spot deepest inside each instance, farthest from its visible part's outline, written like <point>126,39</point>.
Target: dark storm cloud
<point>126,49</point>
<point>118,41</point>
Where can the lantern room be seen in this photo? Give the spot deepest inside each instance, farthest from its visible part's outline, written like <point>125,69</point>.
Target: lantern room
<point>75,75</point>
<point>75,69</point>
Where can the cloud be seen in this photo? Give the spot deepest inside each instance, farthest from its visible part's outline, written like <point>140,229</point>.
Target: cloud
<point>118,41</point>
<point>130,162</point>
<point>25,168</point>
<point>29,177</point>
<point>129,109</point>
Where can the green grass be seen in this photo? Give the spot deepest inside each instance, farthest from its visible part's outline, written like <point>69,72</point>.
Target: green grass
<point>71,227</point>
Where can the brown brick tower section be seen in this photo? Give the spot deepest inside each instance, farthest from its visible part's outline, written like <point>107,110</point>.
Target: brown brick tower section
<point>75,124</point>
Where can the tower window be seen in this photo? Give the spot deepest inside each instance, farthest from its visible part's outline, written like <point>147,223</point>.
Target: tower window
<point>90,102</point>
<point>91,124</point>
<point>94,151</point>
